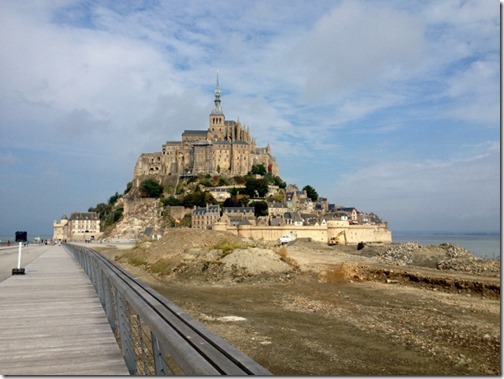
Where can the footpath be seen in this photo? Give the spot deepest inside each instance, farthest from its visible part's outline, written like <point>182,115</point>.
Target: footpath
<point>52,322</point>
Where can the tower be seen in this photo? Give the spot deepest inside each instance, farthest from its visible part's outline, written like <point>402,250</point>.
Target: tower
<point>216,122</point>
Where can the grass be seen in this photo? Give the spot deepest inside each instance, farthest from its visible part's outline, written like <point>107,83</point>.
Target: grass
<point>160,267</point>
<point>228,247</point>
<point>134,258</point>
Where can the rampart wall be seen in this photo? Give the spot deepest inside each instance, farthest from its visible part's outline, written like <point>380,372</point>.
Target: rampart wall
<point>354,233</point>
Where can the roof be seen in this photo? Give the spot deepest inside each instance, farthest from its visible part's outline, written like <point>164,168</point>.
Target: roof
<point>195,132</point>
<point>204,210</point>
<point>84,216</point>
<point>347,209</point>
<point>276,205</point>
<point>240,142</point>
<point>238,209</point>
<point>216,189</point>
<point>275,221</point>
<point>293,215</point>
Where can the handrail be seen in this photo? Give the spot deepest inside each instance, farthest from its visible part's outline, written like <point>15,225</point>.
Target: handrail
<point>157,337</point>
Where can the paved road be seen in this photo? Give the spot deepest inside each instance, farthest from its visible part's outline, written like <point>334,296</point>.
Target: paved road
<point>9,257</point>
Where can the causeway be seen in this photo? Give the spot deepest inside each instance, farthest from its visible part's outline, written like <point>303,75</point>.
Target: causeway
<point>52,322</point>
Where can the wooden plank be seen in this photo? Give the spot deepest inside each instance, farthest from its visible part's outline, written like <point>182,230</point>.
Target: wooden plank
<point>52,322</point>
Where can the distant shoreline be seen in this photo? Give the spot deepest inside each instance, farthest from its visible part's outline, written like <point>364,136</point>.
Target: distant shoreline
<point>438,233</point>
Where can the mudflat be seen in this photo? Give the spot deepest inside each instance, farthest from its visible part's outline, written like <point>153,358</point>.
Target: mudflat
<point>396,309</point>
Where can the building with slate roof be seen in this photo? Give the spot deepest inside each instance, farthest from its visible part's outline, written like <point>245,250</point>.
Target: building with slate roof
<point>205,217</point>
<point>80,226</point>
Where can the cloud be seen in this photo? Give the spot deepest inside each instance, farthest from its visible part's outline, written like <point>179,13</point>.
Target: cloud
<point>476,90</point>
<point>455,194</point>
<point>356,46</point>
<point>403,93</point>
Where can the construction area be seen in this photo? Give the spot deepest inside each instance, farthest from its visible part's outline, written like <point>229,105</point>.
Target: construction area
<point>309,308</point>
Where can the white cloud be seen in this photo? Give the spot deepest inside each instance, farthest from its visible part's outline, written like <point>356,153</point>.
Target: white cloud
<point>332,86</point>
<point>456,194</point>
<point>355,47</point>
<point>477,90</point>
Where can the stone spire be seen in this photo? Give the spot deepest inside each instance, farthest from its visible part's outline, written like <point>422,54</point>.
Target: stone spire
<point>217,109</point>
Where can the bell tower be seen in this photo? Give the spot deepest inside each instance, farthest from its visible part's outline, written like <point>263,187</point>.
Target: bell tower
<point>216,127</point>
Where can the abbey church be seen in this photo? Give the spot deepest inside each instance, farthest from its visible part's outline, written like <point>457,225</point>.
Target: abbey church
<point>225,148</point>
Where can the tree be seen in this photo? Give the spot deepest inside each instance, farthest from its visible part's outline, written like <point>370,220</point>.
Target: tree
<point>128,187</point>
<point>260,208</point>
<point>114,198</point>
<point>256,187</point>
<point>310,192</point>
<point>151,188</point>
<point>112,218</point>
<point>280,183</point>
<point>171,201</point>
<point>102,209</point>
<point>258,169</point>
<point>231,202</point>
<point>199,199</point>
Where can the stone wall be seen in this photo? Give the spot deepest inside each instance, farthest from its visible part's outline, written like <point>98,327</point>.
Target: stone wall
<point>354,233</point>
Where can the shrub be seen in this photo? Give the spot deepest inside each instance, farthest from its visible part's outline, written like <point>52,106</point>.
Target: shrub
<point>135,259</point>
<point>171,201</point>
<point>151,188</point>
<point>160,267</point>
<point>282,251</point>
<point>228,247</point>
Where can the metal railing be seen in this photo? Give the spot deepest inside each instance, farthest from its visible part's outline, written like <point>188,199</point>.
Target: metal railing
<point>157,337</point>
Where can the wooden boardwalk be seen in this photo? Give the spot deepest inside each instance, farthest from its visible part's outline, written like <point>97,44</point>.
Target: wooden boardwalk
<point>52,322</point>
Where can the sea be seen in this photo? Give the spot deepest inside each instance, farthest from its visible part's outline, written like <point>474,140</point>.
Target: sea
<point>12,238</point>
<point>487,246</point>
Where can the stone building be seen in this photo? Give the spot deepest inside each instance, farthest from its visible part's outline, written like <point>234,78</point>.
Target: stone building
<point>225,148</point>
<point>80,226</point>
<point>205,217</point>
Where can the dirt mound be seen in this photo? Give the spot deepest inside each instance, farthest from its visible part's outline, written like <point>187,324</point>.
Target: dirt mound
<point>209,256</point>
<point>257,261</point>
<point>343,272</point>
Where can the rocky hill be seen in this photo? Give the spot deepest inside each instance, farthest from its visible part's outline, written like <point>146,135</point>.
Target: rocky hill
<point>140,216</point>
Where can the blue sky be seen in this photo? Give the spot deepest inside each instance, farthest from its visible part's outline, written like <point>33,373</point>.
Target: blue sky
<point>391,107</point>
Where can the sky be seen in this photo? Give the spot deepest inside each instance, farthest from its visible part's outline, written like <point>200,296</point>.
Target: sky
<point>390,107</point>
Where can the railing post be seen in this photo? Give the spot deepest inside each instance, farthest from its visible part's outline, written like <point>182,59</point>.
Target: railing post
<point>109,307</point>
<point>100,289</point>
<point>141,342</point>
<point>159,362</point>
<point>125,333</point>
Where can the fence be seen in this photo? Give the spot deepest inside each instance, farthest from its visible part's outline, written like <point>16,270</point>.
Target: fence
<point>157,337</point>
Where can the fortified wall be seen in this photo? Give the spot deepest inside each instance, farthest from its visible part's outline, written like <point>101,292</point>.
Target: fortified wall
<point>322,233</point>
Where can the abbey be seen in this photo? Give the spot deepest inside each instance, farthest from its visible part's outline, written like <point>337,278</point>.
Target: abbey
<point>225,148</point>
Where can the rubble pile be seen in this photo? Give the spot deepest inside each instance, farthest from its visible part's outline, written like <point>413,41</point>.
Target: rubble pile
<point>456,251</point>
<point>460,259</point>
<point>446,256</point>
<point>400,254</point>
